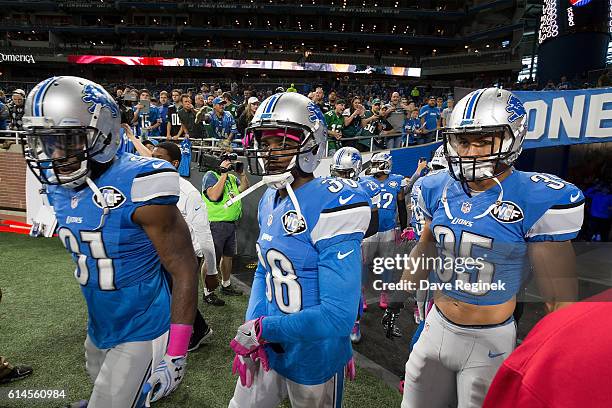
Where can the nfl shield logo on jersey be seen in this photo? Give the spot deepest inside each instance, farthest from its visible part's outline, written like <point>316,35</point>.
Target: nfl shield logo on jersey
<point>292,223</point>
<point>74,202</point>
<point>270,218</point>
<point>466,207</point>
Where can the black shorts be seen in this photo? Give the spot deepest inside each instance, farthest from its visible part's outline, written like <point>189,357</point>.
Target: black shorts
<point>224,238</point>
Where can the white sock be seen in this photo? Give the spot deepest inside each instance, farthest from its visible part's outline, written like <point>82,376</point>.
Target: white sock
<point>207,292</point>
<point>226,283</point>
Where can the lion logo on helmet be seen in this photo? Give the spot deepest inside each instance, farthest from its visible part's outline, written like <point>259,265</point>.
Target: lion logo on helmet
<point>93,96</point>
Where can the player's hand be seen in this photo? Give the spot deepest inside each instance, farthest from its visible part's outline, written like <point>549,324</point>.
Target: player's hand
<point>167,376</point>
<point>225,165</point>
<point>389,322</point>
<point>351,371</point>
<point>248,337</point>
<point>422,164</point>
<point>407,235</point>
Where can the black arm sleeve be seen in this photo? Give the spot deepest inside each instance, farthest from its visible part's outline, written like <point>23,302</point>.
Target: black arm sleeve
<point>373,227</point>
<point>403,214</point>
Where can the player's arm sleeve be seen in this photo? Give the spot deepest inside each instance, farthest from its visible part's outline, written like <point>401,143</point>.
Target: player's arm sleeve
<point>561,219</point>
<point>373,226</point>
<point>156,184</point>
<point>403,213</point>
<point>257,299</point>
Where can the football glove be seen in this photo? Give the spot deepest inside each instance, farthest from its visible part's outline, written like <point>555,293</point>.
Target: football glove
<point>246,368</point>
<point>389,322</point>
<point>167,376</point>
<point>248,337</point>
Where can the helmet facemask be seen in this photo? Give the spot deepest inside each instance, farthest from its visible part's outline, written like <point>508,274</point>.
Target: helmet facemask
<point>293,141</point>
<point>496,152</point>
<point>379,167</point>
<point>62,155</point>
<point>343,173</point>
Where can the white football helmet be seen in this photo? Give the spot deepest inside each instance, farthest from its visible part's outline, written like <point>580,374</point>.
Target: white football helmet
<point>69,122</point>
<point>380,163</point>
<point>291,116</point>
<point>486,112</point>
<point>346,163</point>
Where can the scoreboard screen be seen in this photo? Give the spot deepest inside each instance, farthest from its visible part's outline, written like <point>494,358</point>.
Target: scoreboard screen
<point>560,17</point>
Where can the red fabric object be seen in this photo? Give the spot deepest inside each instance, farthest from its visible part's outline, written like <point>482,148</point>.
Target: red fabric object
<point>565,361</point>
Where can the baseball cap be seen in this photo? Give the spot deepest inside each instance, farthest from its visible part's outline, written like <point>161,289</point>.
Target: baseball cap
<point>253,99</point>
<point>218,100</point>
<point>376,101</point>
<point>340,101</point>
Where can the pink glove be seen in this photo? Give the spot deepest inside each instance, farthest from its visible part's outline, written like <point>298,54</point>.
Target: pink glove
<point>260,355</point>
<point>401,387</point>
<point>248,337</point>
<point>246,368</point>
<point>407,235</point>
<point>351,371</point>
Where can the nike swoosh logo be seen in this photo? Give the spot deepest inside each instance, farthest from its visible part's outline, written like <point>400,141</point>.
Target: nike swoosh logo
<point>345,200</point>
<point>493,355</point>
<point>157,165</point>
<point>342,256</point>
<point>249,334</point>
<point>573,199</point>
<point>196,209</point>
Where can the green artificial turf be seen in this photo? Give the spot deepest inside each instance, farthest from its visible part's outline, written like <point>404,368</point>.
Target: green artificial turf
<point>43,324</point>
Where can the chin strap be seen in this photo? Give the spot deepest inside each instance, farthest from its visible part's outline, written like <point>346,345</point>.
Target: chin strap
<point>100,197</point>
<point>500,198</point>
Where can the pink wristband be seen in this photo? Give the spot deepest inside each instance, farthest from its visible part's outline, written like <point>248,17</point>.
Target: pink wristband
<point>180,334</point>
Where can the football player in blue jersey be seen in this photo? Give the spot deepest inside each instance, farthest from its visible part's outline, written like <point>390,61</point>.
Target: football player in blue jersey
<point>491,222</point>
<point>296,340</point>
<point>118,218</point>
<point>347,164</point>
<point>392,203</point>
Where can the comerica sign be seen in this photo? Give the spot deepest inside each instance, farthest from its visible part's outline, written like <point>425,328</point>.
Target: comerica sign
<point>29,58</point>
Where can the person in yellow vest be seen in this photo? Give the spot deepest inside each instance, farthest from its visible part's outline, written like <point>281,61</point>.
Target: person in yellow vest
<point>218,186</point>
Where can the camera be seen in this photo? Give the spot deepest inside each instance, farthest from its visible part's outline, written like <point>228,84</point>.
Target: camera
<point>212,162</point>
<point>125,103</point>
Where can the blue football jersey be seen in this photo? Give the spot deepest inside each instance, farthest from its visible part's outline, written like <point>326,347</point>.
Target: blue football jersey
<point>387,208</point>
<point>371,189</point>
<point>417,220</point>
<point>493,248</point>
<point>185,166</point>
<point>118,268</point>
<point>308,279</point>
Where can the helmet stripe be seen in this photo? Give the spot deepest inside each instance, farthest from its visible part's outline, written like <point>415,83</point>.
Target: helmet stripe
<point>271,103</point>
<point>37,105</point>
<point>470,105</point>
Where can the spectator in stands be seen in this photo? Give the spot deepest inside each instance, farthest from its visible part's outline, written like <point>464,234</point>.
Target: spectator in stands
<point>395,115</point>
<point>247,95</point>
<point>550,86</point>
<point>412,129</point>
<point>199,101</point>
<point>148,144</point>
<point>447,112</point>
<point>318,98</point>
<point>16,109</point>
<point>247,115</point>
<point>10,373</point>
<point>2,97</point>
<point>440,104</point>
<point>600,211</point>
<point>218,186</point>
<point>229,104</point>
<point>311,96</point>
<point>209,103</point>
<point>416,95</point>
<point>163,111</point>
<point>604,80</point>
<point>146,116</point>
<point>222,123</point>
<point>174,130</point>
<point>187,116</point>
<point>353,116</point>
<point>335,123</point>
<point>4,116</point>
<point>430,120</point>
<point>564,84</point>
<point>331,99</point>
